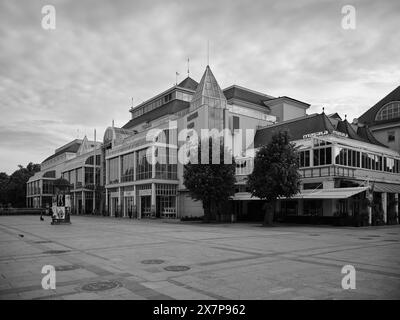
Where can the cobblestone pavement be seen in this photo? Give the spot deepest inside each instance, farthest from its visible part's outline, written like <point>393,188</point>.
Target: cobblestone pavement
<point>108,258</point>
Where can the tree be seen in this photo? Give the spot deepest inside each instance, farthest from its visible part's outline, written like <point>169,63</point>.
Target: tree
<point>13,189</point>
<point>212,184</point>
<point>275,173</point>
<point>3,183</point>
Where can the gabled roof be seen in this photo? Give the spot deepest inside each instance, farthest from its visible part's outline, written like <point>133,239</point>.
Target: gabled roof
<point>72,148</point>
<point>296,128</point>
<point>335,116</point>
<point>188,83</point>
<point>208,90</point>
<point>345,127</point>
<point>368,117</point>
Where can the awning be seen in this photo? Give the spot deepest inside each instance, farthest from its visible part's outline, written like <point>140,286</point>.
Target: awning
<point>386,187</point>
<point>336,193</point>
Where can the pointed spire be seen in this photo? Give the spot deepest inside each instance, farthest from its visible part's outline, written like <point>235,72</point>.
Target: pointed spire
<point>208,92</point>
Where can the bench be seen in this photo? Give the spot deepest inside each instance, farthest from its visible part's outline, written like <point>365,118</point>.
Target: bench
<point>169,213</point>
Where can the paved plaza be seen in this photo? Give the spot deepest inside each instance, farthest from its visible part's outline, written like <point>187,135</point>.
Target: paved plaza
<point>109,258</point>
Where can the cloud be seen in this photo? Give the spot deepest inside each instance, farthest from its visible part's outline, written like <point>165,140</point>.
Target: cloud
<point>83,75</point>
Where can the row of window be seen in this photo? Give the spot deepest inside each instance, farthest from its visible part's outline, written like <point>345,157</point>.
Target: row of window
<point>33,188</point>
<point>80,177</point>
<point>160,101</point>
<point>166,166</point>
<point>349,158</point>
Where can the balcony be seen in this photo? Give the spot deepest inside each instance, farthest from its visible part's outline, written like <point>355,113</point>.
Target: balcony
<point>334,170</point>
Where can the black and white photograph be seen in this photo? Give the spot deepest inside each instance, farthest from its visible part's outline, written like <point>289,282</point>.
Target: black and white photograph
<point>199,155</point>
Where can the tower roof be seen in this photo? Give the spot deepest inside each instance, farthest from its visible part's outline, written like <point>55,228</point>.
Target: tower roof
<point>188,83</point>
<point>208,92</point>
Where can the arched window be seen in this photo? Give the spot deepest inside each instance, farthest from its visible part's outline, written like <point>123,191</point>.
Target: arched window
<point>389,111</point>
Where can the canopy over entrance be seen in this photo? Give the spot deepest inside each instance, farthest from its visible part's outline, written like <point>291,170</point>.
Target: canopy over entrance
<point>336,193</point>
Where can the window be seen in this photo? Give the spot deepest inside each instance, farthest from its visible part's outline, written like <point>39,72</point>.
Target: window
<point>166,165</point>
<point>79,178</point>
<point>391,136</point>
<point>113,170</point>
<point>235,121</point>
<point>389,111</point>
<point>322,156</point>
<point>127,164</point>
<point>144,168</point>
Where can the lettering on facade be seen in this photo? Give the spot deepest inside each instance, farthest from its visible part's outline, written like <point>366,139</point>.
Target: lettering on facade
<point>315,134</point>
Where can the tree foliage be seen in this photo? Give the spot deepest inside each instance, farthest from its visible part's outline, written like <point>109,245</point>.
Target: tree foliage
<point>275,171</point>
<point>13,187</point>
<point>212,184</point>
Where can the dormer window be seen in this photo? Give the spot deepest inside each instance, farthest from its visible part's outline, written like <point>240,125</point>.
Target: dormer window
<point>389,111</point>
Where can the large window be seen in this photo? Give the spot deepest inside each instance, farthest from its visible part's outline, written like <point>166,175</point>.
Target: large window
<point>72,178</point>
<point>389,111</point>
<point>166,165</point>
<point>322,156</point>
<point>79,178</point>
<point>143,169</point>
<point>47,186</point>
<point>113,170</point>
<point>304,158</point>
<point>127,167</point>
<point>347,157</point>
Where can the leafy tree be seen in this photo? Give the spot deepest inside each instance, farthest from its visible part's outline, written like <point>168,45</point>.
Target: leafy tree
<point>3,183</point>
<point>275,173</point>
<point>13,189</point>
<point>212,184</point>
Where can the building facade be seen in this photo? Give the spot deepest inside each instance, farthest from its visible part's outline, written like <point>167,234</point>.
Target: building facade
<point>383,119</point>
<point>73,162</point>
<point>138,187</point>
<point>137,171</point>
<point>341,166</point>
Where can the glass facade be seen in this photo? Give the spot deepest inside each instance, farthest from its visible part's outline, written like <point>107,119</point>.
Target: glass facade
<point>48,187</point>
<point>144,168</point>
<point>113,169</point>
<point>79,178</point>
<point>166,165</point>
<point>304,158</point>
<point>322,156</point>
<point>127,167</point>
<point>351,158</point>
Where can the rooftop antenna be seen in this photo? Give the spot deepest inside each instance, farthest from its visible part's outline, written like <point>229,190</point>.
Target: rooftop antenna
<point>208,52</point>
<point>132,102</point>
<point>188,71</point>
<point>176,77</point>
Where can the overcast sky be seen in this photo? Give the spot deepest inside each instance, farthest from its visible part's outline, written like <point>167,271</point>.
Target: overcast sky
<point>57,85</point>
